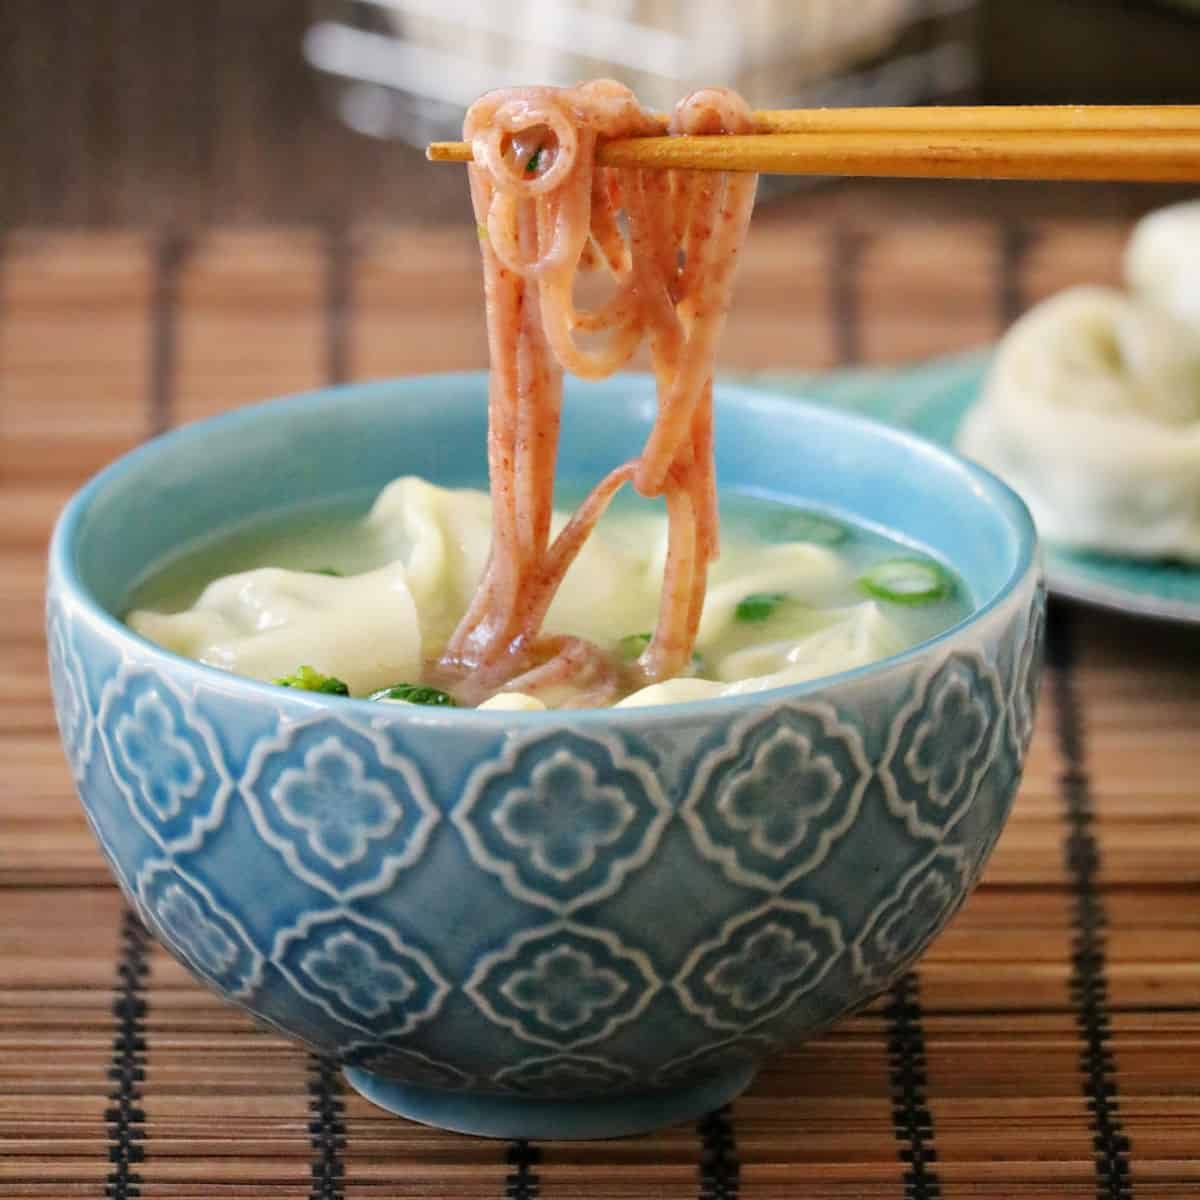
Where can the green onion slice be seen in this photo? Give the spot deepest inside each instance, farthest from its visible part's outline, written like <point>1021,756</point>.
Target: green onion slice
<point>906,581</point>
<point>759,606</point>
<point>803,525</point>
<point>416,693</point>
<point>307,679</point>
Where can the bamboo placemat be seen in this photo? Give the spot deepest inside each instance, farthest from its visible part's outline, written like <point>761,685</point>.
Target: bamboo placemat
<point>1048,1046</point>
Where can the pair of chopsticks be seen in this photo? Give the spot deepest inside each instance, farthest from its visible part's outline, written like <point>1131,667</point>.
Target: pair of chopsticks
<point>1149,143</point>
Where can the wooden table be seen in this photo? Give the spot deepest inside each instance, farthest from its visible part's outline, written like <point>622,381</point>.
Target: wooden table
<point>1049,1044</point>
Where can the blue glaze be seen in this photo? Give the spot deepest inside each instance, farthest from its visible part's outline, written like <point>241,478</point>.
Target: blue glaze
<point>521,1117</point>
<point>737,873</point>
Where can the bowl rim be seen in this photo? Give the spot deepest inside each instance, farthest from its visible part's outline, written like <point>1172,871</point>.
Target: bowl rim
<point>62,573</point>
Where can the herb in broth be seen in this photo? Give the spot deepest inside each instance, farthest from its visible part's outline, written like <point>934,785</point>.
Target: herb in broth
<point>907,581</point>
<point>416,693</point>
<point>759,607</point>
<point>802,525</point>
<point>309,680</point>
<point>634,645</point>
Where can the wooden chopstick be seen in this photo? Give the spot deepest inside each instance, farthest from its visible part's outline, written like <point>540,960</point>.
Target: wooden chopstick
<point>1147,143</point>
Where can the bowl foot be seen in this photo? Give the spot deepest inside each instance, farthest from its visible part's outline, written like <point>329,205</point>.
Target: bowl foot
<point>522,1117</point>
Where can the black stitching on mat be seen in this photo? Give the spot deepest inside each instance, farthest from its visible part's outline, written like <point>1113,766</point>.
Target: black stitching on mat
<point>912,1122</point>
<point>125,1115</point>
<point>327,1129</point>
<point>169,255</point>
<point>522,1182</point>
<point>1089,967</point>
<point>1014,240</point>
<point>720,1170</point>
<point>338,310</point>
<point>843,296</point>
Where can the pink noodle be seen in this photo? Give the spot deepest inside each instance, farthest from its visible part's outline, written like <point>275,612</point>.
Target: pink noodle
<point>672,275</point>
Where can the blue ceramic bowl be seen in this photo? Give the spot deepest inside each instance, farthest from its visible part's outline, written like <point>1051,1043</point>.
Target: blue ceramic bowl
<point>565,924</point>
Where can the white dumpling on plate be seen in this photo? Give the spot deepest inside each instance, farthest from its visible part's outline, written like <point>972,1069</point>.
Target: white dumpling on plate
<point>1162,261</point>
<point>266,623</point>
<point>1091,411</point>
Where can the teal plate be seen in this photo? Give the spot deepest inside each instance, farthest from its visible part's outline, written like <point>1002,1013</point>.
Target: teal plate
<point>931,399</point>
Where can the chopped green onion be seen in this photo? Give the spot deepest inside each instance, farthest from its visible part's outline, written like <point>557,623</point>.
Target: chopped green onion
<point>416,693</point>
<point>634,646</point>
<point>481,231</point>
<point>803,525</point>
<point>759,606</point>
<point>333,571</point>
<point>309,680</point>
<point>907,581</point>
<point>535,161</point>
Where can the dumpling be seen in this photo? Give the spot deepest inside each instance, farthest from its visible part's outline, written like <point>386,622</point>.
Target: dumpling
<point>852,637</point>
<point>267,622</point>
<point>375,629</point>
<point>1091,411</point>
<point>1095,349</point>
<point>442,536</point>
<point>855,637</point>
<point>1162,261</point>
<point>512,702</point>
<point>673,691</point>
<point>809,573</point>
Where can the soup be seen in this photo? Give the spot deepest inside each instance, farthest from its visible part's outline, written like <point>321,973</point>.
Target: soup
<point>440,597</point>
<point>371,598</point>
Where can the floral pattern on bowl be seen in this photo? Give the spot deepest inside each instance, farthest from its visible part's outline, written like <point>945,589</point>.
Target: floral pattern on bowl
<point>551,924</point>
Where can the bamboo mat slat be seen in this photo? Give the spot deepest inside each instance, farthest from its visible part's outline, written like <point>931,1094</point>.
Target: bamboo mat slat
<point>257,297</point>
<point>1049,1044</point>
<point>947,299</point>
<point>426,283</point>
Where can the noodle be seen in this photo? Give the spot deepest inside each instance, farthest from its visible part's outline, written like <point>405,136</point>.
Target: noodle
<point>668,242</point>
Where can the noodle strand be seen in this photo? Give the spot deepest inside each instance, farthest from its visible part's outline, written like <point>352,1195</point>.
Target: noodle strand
<point>669,242</point>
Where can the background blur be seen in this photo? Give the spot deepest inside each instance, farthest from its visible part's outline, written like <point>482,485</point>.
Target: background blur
<point>185,112</point>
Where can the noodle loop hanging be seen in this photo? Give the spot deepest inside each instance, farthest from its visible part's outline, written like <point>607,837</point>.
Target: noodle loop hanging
<point>667,241</point>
